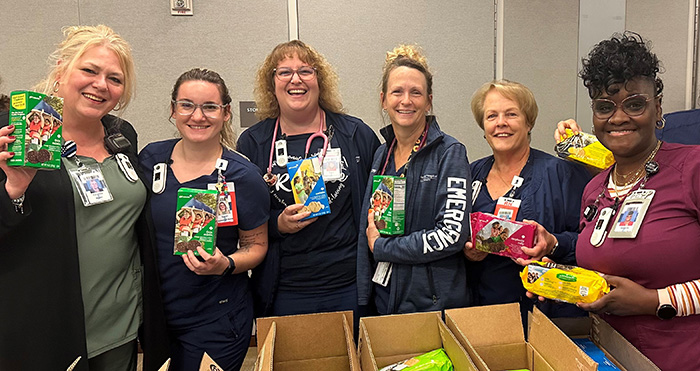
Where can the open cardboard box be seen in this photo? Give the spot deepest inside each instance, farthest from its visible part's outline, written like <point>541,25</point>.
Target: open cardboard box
<point>385,340</point>
<point>493,336</point>
<point>620,351</point>
<point>322,341</point>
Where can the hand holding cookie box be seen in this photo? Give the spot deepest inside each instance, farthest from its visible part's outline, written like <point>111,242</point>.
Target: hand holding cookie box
<point>500,236</point>
<point>38,122</point>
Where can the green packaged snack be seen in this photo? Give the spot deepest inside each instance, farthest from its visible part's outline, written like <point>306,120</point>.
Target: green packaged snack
<point>195,223</point>
<point>388,203</point>
<point>435,360</point>
<point>38,121</point>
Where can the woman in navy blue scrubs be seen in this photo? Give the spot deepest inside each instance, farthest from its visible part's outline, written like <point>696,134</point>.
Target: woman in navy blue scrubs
<point>208,304</point>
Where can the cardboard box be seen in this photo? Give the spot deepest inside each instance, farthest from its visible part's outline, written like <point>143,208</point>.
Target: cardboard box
<point>385,340</point>
<point>38,121</point>
<point>612,343</point>
<point>494,338</point>
<point>322,341</point>
<point>388,203</point>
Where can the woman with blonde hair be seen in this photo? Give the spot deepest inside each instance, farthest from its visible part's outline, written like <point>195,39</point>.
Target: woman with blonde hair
<point>310,264</point>
<point>423,269</point>
<point>536,186</point>
<point>81,264</point>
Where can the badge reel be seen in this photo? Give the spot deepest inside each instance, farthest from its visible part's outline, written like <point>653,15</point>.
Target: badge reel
<point>601,226</point>
<point>159,175</point>
<point>332,164</point>
<point>507,207</point>
<point>281,152</point>
<point>88,180</point>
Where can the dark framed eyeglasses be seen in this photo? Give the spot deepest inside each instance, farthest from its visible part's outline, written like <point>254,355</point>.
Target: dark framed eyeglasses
<point>187,108</point>
<point>285,74</point>
<point>634,105</point>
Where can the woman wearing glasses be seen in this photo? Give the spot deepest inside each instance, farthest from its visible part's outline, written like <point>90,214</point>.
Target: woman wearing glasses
<point>310,266</point>
<point>518,182</point>
<point>653,263</point>
<point>208,305</point>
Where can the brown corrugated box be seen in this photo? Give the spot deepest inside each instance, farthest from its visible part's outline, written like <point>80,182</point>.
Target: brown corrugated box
<point>612,343</point>
<point>322,341</point>
<point>493,336</point>
<point>385,340</point>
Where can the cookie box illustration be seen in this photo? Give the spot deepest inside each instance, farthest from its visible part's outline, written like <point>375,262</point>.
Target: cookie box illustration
<point>499,236</point>
<point>195,221</point>
<point>308,186</point>
<point>387,203</point>
<point>38,121</point>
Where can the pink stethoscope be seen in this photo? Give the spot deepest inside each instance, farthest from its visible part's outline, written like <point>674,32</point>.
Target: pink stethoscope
<point>270,178</point>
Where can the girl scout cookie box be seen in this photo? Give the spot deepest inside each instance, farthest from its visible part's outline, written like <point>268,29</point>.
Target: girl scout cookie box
<point>308,186</point>
<point>500,236</point>
<point>195,223</point>
<point>387,203</point>
<point>38,121</point>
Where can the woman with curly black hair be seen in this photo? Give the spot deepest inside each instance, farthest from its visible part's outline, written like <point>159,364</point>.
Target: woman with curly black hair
<point>652,263</point>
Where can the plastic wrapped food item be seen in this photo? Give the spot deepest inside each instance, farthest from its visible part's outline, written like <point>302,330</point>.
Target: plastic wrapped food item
<point>435,360</point>
<point>564,282</point>
<point>584,148</point>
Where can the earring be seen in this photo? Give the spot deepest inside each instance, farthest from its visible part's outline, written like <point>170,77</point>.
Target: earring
<point>55,86</point>
<point>592,129</point>
<point>663,123</point>
<point>117,107</point>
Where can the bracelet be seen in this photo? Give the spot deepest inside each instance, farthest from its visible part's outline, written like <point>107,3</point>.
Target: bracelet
<point>18,203</point>
<point>556,245</point>
<point>231,266</point>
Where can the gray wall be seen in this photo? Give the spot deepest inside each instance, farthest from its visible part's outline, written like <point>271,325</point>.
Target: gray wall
<point>232,37</point>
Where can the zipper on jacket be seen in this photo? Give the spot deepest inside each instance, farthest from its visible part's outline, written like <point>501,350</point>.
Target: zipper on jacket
<point>431,283</point>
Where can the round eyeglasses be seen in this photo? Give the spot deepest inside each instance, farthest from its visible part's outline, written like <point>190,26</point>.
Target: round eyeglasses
<point>285,74</point>
<point>634,105</point>
<point>187,108</point>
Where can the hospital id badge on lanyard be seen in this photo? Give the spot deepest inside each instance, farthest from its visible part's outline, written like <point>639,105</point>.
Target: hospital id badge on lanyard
<point>507,207</point>
<point>332,164</point>
<point>226,212</point>
<point>90,183</point>
<point>631,215</point>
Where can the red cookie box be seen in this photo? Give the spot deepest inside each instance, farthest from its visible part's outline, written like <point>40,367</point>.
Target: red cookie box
<point>499,236</point>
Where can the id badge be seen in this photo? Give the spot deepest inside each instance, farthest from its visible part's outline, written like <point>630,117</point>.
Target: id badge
<point>226,212</point>
<point>631,215</point>
<point>332,164</point>
<point>382,273</point>
<point>507,208</point>
<point>91,185</point>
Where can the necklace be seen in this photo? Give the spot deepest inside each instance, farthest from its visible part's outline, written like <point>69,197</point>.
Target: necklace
<point>635,174</point>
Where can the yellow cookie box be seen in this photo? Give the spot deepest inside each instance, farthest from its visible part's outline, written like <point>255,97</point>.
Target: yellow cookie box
<point>564,282</point>
<point>585,148</point>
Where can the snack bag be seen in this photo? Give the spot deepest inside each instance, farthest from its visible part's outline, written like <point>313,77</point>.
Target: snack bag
<point>584,148</point>
<point>500,236</point>
<point>435,360</point>
<point>564,282</point>
<point>387,203</point>
<point>308,186</point>
<point>195,221</point>
<point>38,121</point>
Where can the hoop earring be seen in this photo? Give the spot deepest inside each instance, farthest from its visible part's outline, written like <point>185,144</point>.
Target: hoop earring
<point>55,86</point>
<point>592,129</point>
<point>663,123</point>
<point>117,107</point>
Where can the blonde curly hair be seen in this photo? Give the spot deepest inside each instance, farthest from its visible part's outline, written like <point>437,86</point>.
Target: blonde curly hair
<point>78,40</point>
<point>406,56</point>
<point>265,99</point>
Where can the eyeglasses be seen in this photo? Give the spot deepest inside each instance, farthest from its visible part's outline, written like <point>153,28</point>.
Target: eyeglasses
<point>633,105</point>
<point>187,108</point>
<point>285,74</point>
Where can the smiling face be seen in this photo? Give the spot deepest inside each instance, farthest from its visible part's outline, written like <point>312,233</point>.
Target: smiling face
<point>629,136</point>
<point>198,128</point>
<point>296,95</point>
<point>93,86</point>
<point>406,99</point>
<point>505,126</point>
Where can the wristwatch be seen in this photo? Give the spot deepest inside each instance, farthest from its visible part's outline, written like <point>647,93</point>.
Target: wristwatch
<point>18,203</point>
<point>665,310</point>
<point>231,266</point>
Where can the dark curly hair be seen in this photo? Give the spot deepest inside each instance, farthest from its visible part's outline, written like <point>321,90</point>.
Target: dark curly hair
<point>617,60</point>
<point>4,103</point>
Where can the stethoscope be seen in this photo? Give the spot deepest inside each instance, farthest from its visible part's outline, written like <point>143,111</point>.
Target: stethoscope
<point>270,178</point>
